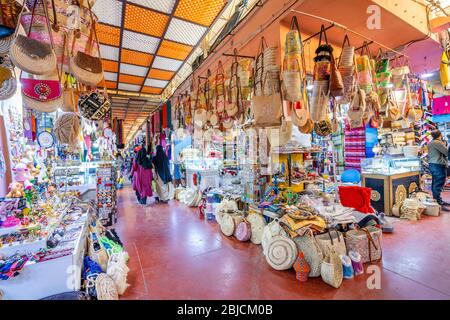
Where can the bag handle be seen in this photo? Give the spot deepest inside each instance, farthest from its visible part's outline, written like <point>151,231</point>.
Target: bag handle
<point>324,34</point>
<point>94,31</point>
<point>55,18</point>
<point>370,241</point>
<point>345,43</point>
<point>365,49</point>
<point>220,82</point>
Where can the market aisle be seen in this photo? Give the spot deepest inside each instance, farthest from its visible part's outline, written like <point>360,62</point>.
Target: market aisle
<point>174,255</point>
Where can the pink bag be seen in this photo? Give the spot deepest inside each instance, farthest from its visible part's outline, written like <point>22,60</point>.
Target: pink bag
<point>41,90</point>
<point>243,231</point>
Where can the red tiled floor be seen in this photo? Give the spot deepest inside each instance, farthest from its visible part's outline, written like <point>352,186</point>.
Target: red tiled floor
<point>175,255</point>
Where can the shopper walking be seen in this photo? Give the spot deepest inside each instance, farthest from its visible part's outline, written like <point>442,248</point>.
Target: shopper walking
<point>134,174</point>
<point>438,161</point>
<point>145,175</point>
<point>164,186</point>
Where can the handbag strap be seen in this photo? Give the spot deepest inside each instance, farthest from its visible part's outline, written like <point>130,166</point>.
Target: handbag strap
<point>55,17</point>
<point>94,31</point>
<point>323,34</point>
<point>345,43</point>
<point>365,50</point>
<point>370,241</point>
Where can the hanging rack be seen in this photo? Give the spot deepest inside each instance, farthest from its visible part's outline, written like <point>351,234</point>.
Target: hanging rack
<point>336,24</point>
<point>238,55</point>
<point>317,33</point>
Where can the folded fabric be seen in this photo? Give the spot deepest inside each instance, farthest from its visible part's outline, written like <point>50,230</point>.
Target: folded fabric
<point>356,197</point>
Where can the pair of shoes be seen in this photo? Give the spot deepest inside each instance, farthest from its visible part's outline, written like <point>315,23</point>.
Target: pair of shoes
<point>445,209</point>
<point>443,203</point>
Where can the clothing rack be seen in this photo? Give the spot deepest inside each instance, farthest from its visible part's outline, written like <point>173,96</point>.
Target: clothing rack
<point>336,24</point>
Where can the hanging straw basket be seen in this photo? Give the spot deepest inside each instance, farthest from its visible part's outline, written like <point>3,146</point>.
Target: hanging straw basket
<point>67,128</point>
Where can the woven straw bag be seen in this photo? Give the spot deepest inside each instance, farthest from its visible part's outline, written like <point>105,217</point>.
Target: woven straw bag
<point>267,110</point>
<point>281,253</point>
<point>67,128</point>
<point>8,86</point>
<point>229,222</point>
<point>319,100</point>
<point>331,269</point>
<point>30,55</point>
<point>85,67</point>
<point>358,106</point>
<point>257,225</point>
<point>366,241</point>
<point>280,136</point>
<point>333,240</point>
<point>271,230</point>
<point>243,231</point>
<point>312,251</point>
<point>106,288</point>
<point>412,209</point>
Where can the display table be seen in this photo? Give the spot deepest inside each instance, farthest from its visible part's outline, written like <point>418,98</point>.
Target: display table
<point>46,278</point>
<point>387,189</point>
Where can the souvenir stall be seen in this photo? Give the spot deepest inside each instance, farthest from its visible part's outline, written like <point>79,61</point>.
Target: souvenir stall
<point>54,121</point>
<point>328,142</point>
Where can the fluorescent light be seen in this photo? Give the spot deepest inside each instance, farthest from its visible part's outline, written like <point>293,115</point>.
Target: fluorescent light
<point>427,75</point>
<point>309,87</point>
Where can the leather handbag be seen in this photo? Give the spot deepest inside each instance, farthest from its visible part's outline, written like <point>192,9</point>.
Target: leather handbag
<point>336,82</point>
<point>86,68</point>
<point>34,56</point>
<point>43,95</point>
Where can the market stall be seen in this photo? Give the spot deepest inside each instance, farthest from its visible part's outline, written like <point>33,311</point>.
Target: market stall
<point>58,142</point>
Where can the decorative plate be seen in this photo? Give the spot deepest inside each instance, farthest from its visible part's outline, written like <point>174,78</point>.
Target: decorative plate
<point>46,139</point>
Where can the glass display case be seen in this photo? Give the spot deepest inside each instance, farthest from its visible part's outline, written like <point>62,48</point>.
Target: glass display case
<point>389,165</point>
<point>391,180</point>
<point>72,174</point>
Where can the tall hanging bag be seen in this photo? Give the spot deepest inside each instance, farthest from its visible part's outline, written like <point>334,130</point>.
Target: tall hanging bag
<point>220,90</point>
<point>300,108</point>
<point>259,69</point>
<point>292,73</point>
<point>321,85</point>
<point>234,107</point>
<point>346,68</point>
<point>267,110</point>
<point>30,55</point>
<point>200,114</point>
<point>86,68</point>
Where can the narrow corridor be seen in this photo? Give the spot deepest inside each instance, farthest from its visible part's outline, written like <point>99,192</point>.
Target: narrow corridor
<point>175,255</point>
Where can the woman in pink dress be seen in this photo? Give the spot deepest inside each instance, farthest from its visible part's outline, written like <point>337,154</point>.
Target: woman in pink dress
<point>145,175</point>
<point>135,178</point>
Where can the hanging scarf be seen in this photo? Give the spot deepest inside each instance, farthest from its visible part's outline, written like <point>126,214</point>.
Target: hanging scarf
<point>161,163</point>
